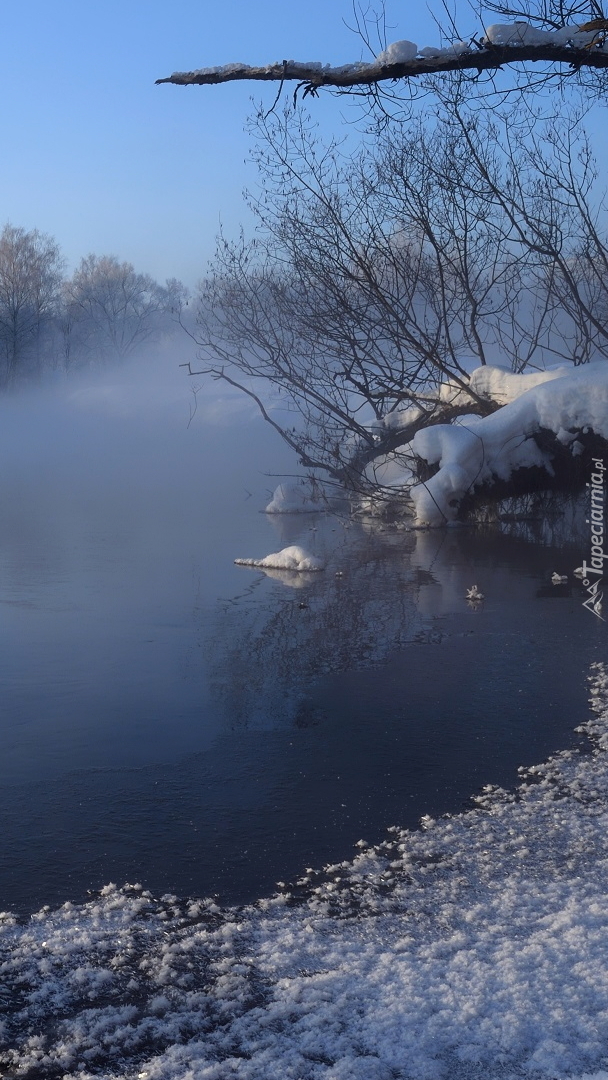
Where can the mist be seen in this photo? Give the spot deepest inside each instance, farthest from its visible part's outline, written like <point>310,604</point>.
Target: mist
<point>119,512</point>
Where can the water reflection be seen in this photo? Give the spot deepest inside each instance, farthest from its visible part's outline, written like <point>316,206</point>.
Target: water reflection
<point>364,605</point>
<point>200,727</point>
<point>383,589</point>
<point>386,696</point>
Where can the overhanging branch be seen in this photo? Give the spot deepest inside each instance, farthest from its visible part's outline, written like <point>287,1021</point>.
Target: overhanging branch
<point>314,76</point>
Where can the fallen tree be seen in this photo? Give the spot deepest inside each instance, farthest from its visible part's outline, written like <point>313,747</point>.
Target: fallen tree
<point>549,433</point>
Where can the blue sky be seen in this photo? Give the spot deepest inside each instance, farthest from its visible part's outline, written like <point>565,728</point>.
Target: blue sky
<point>97,155</point>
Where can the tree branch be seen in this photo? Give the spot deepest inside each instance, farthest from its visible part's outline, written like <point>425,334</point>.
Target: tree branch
<point>314,76</point>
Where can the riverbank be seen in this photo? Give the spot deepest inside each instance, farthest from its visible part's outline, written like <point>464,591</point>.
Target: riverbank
<point>476,947</point>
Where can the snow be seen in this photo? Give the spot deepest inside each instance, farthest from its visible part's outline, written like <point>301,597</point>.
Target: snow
<point>457,48</point>
<point>222,69</point>
<point>295,67</point>
<point>289,558</point>
<point>474,948</point>
<point>502,385</point>
<point>522,33</point>
<point>517,33</point>
<point>399,52</point>
<point>448,393</point>
<point>564,401</point>
<point>402,52</point>
<point>293,498</point>
<point>356,68</point>
<point>571,35</point>
<point>399,418</point>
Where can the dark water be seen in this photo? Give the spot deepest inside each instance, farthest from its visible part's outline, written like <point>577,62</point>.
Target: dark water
<point>172,719</point>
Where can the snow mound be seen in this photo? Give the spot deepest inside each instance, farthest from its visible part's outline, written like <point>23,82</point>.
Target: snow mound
<point>403,52</point>
<point>503,386</point>
<point>456,48</point>
<point>398,418</point>
<point>289,558</point>
<point>295,498</point>
<point>516,33</point>
<point>495,446</point>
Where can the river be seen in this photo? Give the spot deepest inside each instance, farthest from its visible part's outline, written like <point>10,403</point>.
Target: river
<point>172,719</point>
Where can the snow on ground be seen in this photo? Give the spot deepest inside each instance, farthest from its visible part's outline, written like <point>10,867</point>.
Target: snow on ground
<point>289,558</point>
<point>563,400</point>
<point>474,948</point>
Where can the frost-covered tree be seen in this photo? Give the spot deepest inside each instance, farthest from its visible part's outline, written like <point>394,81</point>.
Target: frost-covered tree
<point>465,232</point>
<point>376,282</point>
<point>111,310</point>
<point>30,281</point>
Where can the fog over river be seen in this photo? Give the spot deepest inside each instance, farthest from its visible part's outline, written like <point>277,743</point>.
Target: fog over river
<point>173,719</point>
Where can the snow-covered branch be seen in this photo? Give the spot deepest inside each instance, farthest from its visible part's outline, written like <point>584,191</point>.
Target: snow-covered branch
<point>569,405</point>
<point>512,43</point>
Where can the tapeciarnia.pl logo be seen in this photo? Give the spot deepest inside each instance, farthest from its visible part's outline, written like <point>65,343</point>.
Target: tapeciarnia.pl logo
<point>593,572</point>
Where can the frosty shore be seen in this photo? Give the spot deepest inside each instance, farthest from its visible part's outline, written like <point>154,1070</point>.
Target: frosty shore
<point>476,947</point>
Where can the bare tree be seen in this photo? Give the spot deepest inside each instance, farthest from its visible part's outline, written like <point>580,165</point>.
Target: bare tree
<point>543,182</point>
<point>548,14</point>
<point>377,281</point>
<point>109,309</point>
<point>30,280</point>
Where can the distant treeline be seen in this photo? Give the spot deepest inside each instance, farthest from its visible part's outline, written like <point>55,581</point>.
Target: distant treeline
<point>105,311</point>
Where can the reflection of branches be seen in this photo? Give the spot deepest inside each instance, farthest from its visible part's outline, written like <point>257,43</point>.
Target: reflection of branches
<point>247,592</point>
<point>541,517</point>
<point>349,620</point>
<point>194,390</point>
<point>266,656</point>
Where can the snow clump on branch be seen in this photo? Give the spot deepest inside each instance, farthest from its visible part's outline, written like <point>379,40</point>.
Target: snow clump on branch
<point>399,52</point>
<point>521,33</point>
